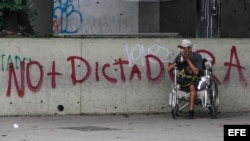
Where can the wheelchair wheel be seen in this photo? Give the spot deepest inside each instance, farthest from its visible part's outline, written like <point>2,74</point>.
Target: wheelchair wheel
<point>211,111</point>
<point>174,104</point>
<point>174,111</point>
<point>214,99</point>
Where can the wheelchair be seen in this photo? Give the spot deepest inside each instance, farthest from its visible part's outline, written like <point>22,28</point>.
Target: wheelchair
<point>207,93</point>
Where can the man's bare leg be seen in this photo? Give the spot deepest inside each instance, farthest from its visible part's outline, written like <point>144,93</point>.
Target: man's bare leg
<point>192,101</point>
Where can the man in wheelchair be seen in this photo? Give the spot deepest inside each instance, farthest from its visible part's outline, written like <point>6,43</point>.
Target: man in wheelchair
<point>189,64</point>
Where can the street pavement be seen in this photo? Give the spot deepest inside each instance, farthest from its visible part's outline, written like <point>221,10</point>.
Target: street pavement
<point>136,127</point>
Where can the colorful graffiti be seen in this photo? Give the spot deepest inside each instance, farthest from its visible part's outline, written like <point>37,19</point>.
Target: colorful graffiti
<point>101,70</point>
<point>7,59</point>
<point>66,18</point>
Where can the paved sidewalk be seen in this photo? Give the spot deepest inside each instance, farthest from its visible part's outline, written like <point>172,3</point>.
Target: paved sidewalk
<point>155,127</point>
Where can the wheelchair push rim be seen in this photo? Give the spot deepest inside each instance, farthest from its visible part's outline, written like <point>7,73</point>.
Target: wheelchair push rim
<point>213,108</point>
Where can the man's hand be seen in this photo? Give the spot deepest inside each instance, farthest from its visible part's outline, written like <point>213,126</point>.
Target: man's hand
<point>187,55</point>
<point>171,66</point>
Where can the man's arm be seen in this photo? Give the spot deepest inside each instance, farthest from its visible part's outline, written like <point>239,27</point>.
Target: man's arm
<point>171,66</point>
<point>174,64</point>
<point>193,65</point>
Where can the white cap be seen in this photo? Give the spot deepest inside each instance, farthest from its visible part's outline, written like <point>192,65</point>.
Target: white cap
<point>185,43</point>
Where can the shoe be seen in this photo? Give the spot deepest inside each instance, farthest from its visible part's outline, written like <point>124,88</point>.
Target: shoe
<point>191,114</point>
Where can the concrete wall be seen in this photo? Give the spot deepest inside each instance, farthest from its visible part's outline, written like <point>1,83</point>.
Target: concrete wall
<point>189,18</point>
<point>235,13</point>
<point>110,75</point>
<point>149,20</point>
<point>81,17</point>
<point>42,23</point>
<point>178,16</point>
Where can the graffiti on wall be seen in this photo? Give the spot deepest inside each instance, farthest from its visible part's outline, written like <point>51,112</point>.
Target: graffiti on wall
<point>53,74</point>
<point>66,17</point>
<point>237,65</point>
<point>150,57</point>
<point>136,53</point>
<point>229,65</point>
<point>6,59</point>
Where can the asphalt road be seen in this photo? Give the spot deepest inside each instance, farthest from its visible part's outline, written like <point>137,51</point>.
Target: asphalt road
<point>155,127</point>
